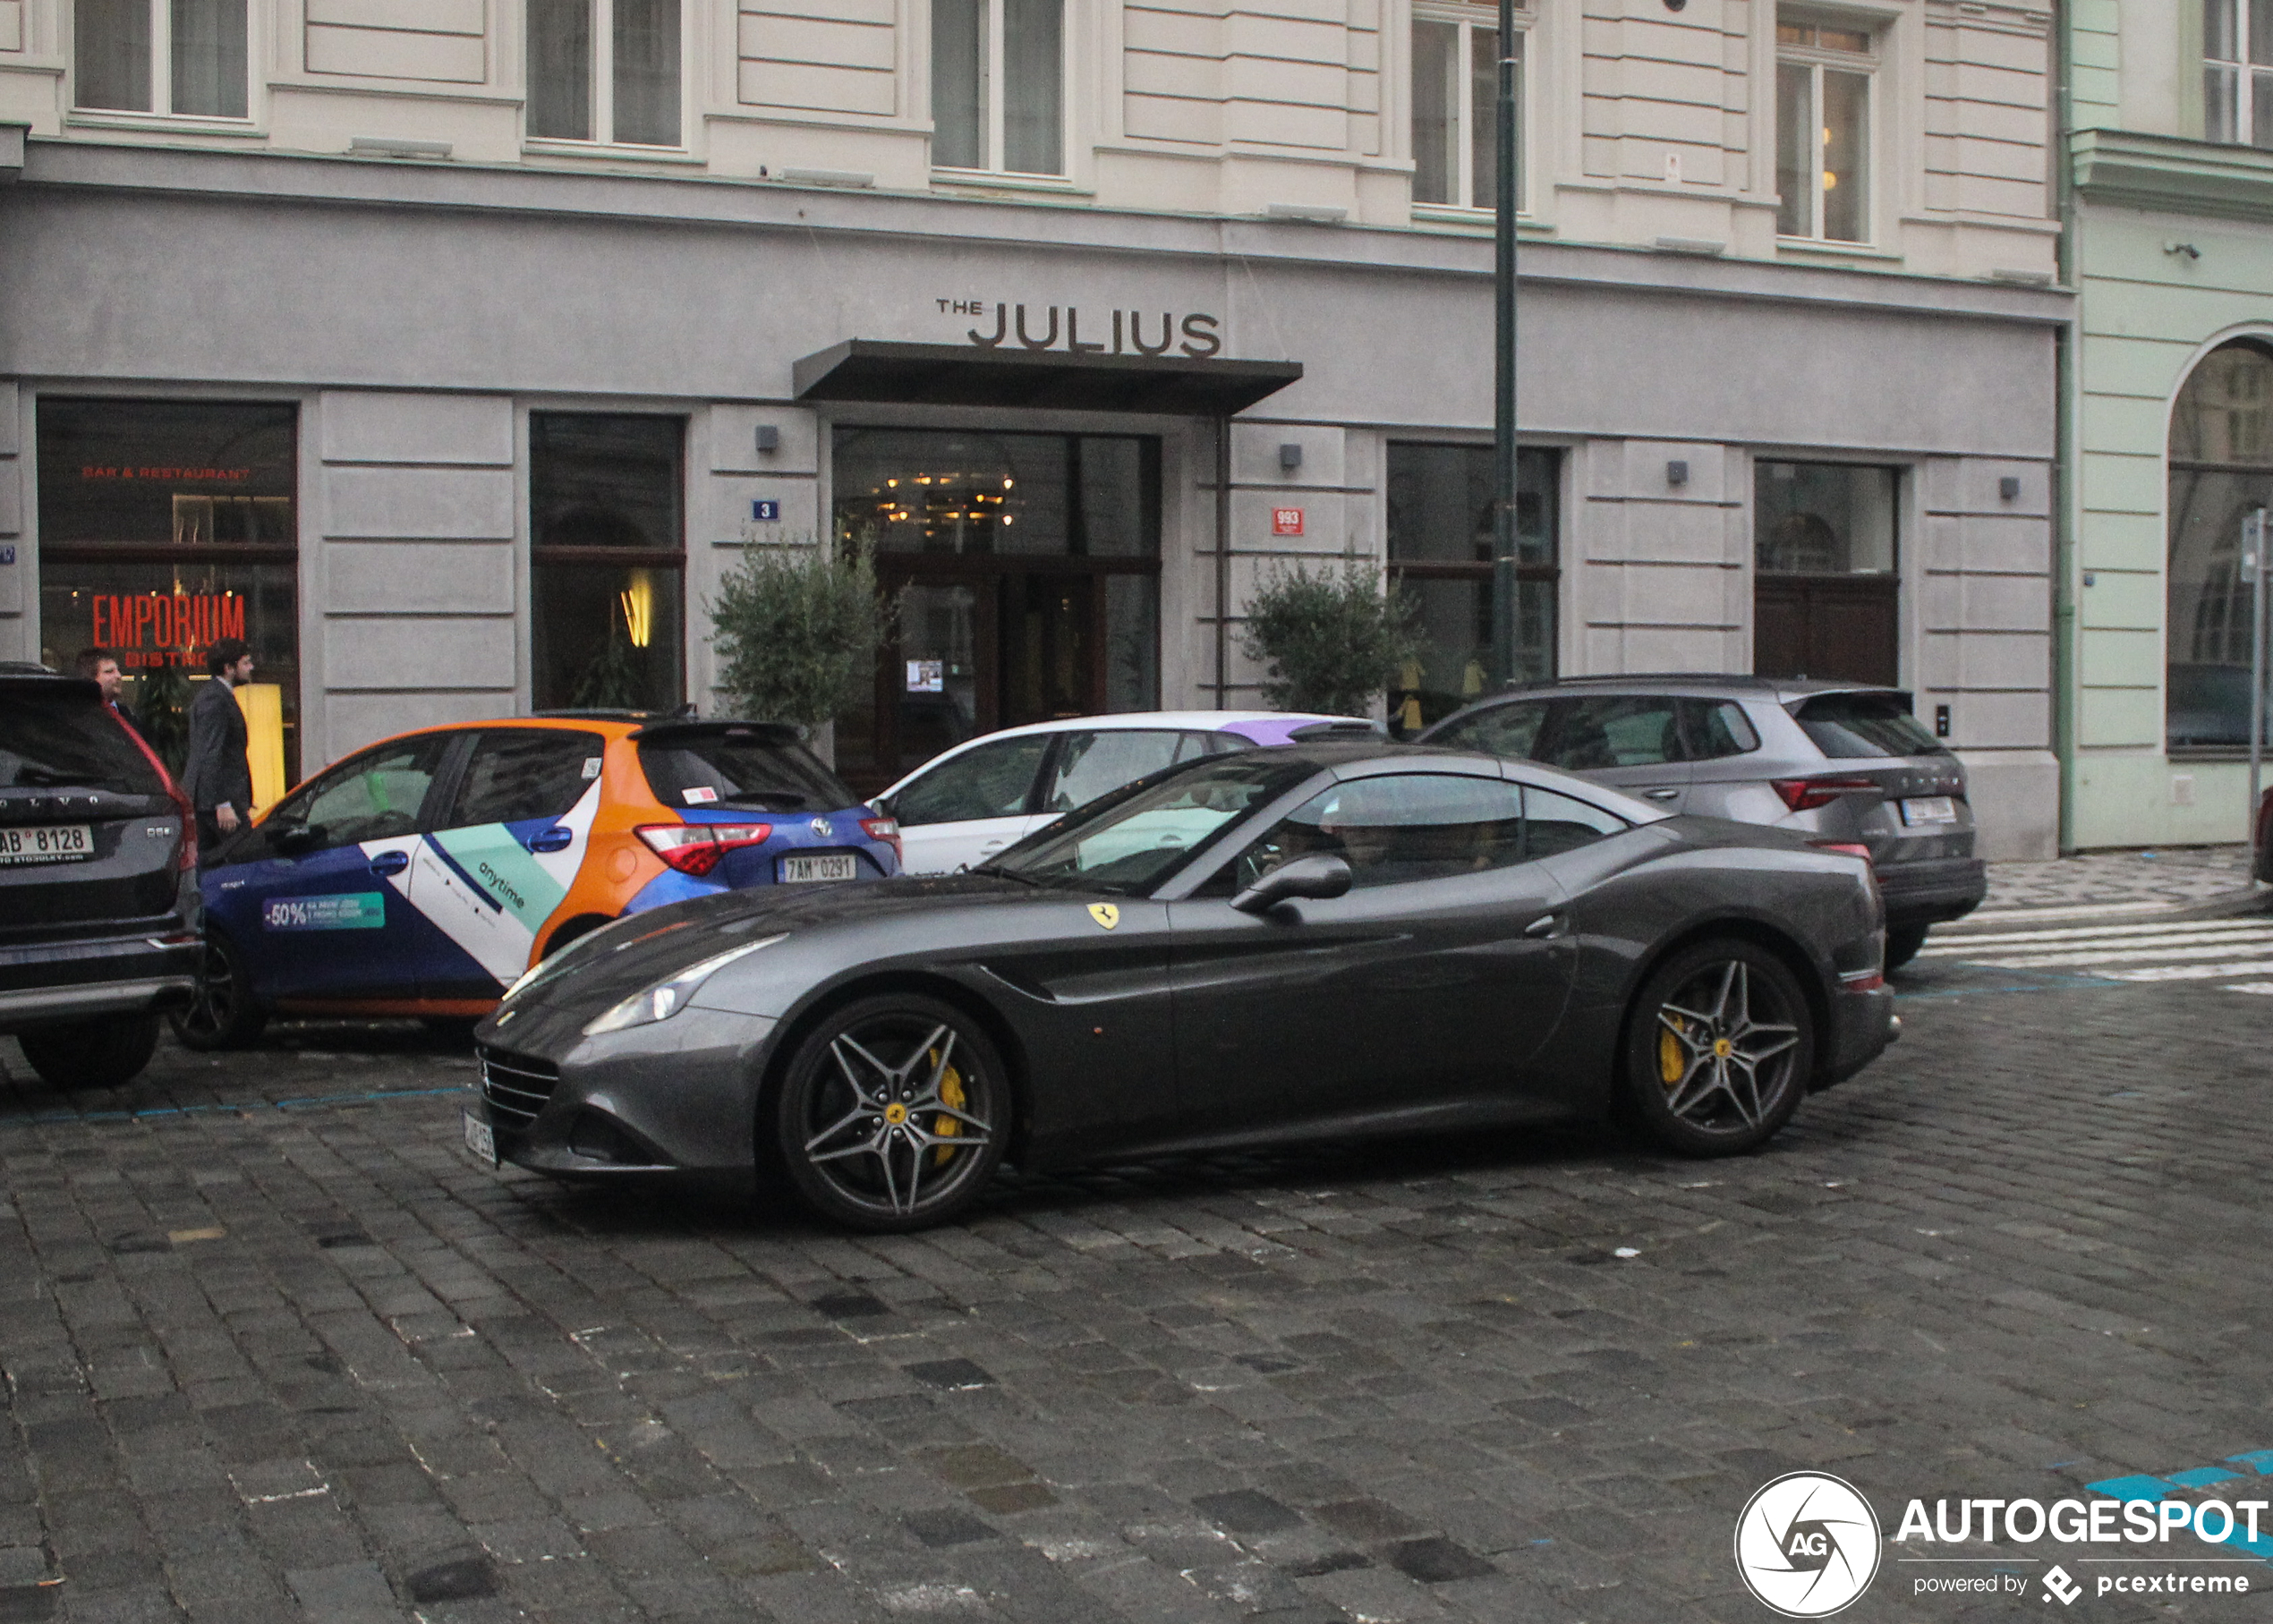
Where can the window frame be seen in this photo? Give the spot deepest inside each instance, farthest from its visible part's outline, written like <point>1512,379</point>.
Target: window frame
<point>161,110</point>
<point>602,92</point>
<point>2213,580</point>
<point>1869,66</point>
<point>1466,18</point>
<point>994,121</point>
<point>2246,101</point>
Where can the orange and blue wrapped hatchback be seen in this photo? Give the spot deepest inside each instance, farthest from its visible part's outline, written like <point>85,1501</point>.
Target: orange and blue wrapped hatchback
<point>422,875</point>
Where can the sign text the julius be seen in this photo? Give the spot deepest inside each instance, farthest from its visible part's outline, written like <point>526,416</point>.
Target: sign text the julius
<point>1115,333</point>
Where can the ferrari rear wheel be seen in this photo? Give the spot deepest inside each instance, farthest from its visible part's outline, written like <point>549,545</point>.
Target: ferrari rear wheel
<point>1718,1050</point>
<point>894,1114</point>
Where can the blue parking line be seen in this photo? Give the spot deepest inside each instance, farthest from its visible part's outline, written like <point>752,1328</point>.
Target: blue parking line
<point>311,1102</point>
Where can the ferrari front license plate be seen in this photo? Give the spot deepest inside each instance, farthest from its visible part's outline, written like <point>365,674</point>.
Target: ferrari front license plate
<point>47,843</point>
<point>480,1140</point>
<point>796,868</point>
<point>1929,809</point>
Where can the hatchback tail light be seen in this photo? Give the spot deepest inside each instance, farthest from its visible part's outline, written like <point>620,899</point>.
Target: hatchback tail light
<point>697,849</point>
<point>886,829</point>
<point>1805,794</point>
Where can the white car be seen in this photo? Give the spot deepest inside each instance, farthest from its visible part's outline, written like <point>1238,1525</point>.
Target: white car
<point>963,806</point>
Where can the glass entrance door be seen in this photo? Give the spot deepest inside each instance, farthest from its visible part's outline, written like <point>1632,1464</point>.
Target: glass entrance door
<point>1027,572</point>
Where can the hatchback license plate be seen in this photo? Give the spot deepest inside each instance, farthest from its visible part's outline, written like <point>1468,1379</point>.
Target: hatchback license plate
<point>1929,809</point>
<point>46,843</point>
<point>797,868</point>
<point>480,1139</point>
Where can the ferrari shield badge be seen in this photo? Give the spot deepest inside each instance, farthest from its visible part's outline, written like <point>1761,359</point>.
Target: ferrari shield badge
<point>1105,913</point>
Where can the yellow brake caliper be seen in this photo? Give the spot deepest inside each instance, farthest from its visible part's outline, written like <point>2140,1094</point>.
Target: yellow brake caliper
<point>944,1126</point>
<point>1672,1065</point>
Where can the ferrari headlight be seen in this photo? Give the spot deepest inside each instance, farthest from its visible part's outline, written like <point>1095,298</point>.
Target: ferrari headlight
<point>666,998</point>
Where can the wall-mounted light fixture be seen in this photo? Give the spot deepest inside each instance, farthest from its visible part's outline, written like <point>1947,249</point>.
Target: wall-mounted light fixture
<point>2009,487</point>
<point>769,438</point>
<point>1677,472</point>
<point>1291,457</point>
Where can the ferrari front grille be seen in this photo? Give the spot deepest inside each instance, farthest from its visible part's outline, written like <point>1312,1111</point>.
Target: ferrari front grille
<point>516,1087</point>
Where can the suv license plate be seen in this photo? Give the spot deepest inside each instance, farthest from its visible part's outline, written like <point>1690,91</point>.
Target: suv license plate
<point>1929,809</point>
<point>480,1140</point>
<point>796,869</point>
<point>47,843</point>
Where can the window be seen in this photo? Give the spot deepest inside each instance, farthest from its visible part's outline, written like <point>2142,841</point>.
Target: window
<point>755,766</point>
<point>164,526</point>
<point>1456,90</point>
<point>1719,729</point>
<point>1399,830</point>
<point>998,85</point>
<point>1556,823</point>
<point>1092,764</point>
<point>376,797</point>
<point>1823,131</point>
<point>2221,470</point>
<point>524,774</point>
<point>607,556</point>
<point>180,57</point>
<point>605,71</point>
<point>2237,72</point>
<point>1824,587</point>
<point>1509,730</point>
<point>1859,727</point>
<point>992,780</point>
<point>1596,734</point>
<point>1440,562</point>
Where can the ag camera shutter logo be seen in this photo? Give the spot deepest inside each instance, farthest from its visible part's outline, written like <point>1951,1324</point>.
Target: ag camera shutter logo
<point>1807,1544</point>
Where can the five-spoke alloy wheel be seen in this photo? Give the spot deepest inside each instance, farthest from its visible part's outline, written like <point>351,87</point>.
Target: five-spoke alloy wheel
<point>893,1114</point>
<point>221,1013</point>
<point>1719,1049</point>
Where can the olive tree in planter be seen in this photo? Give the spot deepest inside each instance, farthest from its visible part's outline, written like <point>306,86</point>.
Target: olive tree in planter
<point>1330,642</point>
<point>796,629</point>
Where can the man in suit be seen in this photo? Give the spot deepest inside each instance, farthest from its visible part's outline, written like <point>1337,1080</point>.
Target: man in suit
<point>101,667</point>
<point>218,775</point>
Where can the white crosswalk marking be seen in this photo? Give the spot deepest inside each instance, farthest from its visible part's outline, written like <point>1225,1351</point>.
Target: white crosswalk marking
<point>2169,950</point>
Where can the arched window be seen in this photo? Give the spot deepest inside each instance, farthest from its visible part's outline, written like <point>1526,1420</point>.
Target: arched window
<point>2221,467</point>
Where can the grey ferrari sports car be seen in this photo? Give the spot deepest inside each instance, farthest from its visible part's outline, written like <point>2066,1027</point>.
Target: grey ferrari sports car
<point>1317,940</point>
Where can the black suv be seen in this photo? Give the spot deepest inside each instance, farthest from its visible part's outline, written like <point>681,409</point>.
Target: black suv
<point>97,883</point>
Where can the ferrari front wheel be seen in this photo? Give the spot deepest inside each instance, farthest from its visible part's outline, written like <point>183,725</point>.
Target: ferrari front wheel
<point>1719,1048</point>
<point>893,1114</point>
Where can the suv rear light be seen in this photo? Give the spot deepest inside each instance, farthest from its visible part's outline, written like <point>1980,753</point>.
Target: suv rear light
<point>185,854</point>
<point>886,829</point>
<point>696,849</point>
<point>1805,794</point>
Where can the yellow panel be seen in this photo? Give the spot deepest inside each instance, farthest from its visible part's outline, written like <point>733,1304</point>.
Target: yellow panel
<point>263,707</point>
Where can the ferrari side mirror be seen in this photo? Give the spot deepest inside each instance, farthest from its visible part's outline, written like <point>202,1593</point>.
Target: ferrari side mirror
<point>1319,876</point>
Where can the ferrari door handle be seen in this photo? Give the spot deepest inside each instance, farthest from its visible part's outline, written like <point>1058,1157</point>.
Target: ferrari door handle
<point>1662,795</point>
<point>1545,926</point>
<point>391,863</point>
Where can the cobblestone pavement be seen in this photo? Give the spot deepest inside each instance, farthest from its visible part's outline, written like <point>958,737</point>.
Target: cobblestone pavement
<point>275,1349</point>
<point>2177,875</point>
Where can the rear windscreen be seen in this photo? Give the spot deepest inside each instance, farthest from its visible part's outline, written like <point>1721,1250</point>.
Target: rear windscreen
<point>59,741</point>
<point>736,768</point>
<point>1846,725</point>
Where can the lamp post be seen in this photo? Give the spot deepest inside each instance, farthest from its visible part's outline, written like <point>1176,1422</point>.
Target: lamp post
<point>2254,528</point>
<point>1504,457</point>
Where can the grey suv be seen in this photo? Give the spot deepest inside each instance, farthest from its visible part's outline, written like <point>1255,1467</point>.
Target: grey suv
<point>1844,765</point>
<point>97,883</point>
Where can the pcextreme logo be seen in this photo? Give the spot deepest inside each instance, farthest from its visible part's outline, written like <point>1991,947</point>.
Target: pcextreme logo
<point>1807,1544</point>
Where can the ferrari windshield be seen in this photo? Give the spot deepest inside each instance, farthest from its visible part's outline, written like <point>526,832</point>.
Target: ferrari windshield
<point>1128,842</point>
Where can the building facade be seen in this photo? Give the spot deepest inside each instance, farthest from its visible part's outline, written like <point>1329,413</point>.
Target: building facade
<point>456,350</point>
<point>2170,406</point>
